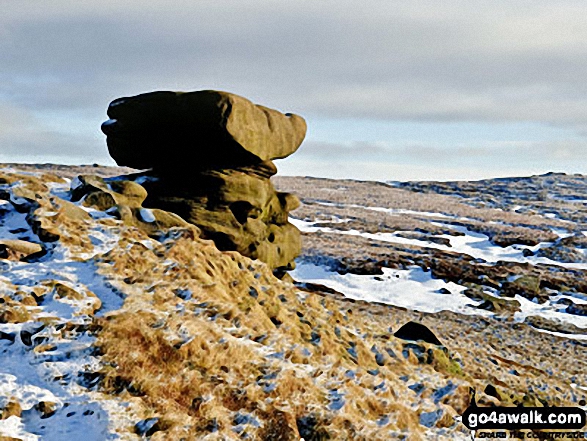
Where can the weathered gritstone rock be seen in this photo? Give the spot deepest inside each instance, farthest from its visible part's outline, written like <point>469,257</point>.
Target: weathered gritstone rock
<point>227,192</point>
<point>123,199</point>
<point>237,208</point>
<point>248,215</point>
<point>103,196</point>
<point>159,129</point>
<point>18,249</point>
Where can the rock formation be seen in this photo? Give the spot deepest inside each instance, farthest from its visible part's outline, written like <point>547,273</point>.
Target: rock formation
<point>209,156</point>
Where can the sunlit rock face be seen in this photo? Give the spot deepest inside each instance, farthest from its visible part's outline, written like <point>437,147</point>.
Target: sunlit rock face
<point>209,156</point>
<point>206,129</point>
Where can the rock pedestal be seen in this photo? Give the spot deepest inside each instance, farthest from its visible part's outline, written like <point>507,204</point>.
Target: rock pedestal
<point>209,156</point>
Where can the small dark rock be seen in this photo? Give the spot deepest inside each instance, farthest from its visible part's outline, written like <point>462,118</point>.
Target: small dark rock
<point>486,305</point>
<point>253,292</point>
<point>576,309</point>
<point>492,391</point>
<point>379,359</point>
<point>89,379</point>
<point>390,352</point>
<point>147,427</point>
<point>26,335</point>
<point>310,429</point>
<point>212,425</point>
<point>46,409</point>
<point>439,240</point>
<point>413,331</point>
<point>36,257</point>
<point>315,338</point>
<point>7,336</point>
<point>184,294</point>
<point>352,352</point>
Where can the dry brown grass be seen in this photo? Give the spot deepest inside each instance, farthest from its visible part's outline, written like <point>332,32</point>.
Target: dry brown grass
<point>228,351</point>
<point>68,171</point>
<point>198,363</point>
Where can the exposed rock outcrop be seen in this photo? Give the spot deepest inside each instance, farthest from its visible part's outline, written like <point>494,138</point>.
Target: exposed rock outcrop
<point>164,130</point>
<point>227,190</point>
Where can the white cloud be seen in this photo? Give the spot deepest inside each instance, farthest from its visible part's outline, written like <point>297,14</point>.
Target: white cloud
<point>494,60</point>
<point>29,137</point>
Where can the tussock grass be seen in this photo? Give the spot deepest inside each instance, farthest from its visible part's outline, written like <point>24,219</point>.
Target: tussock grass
<point>245,343</point>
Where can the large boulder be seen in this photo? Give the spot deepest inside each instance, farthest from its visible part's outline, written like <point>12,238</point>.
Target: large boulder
<point>209,159</point>
<point>164,130</point>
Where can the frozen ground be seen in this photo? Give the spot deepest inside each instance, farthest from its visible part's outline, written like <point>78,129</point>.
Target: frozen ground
<point>412,288</point>
<point>48,364</point>
<point>476,245</point>
<point>50,369</point>
<point>418,290</point>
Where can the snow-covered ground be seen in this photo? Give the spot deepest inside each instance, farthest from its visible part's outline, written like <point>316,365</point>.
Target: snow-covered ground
<point>476,245</point>
<point>386,210</point>
<point>49,361</point>
<point>412,288</point>
<point>415,289</point>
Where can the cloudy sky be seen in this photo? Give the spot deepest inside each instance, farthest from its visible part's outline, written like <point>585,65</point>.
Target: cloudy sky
<point>391,90</point>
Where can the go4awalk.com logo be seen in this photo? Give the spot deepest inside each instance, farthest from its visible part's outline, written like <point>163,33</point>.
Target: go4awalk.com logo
<point>476,418</point>
<point>511,420</point>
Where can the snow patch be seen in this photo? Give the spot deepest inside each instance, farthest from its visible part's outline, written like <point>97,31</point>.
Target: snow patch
<point>471,243</point>
<point>109,122</point>
<point>386,210</point>
<point>411,288</point>
<point>75,183</point>
<point>147,215</point>
<point>548,310</point>
<point>145,179</point>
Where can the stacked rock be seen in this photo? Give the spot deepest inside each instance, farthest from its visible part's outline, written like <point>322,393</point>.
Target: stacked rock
<point>209,156</point>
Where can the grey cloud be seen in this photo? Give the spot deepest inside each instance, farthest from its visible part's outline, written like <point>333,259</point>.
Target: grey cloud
<point>434,162</point>
<point>527,152</point>
<point>419,60</point>
<point>347,152</point>
<point>559,152</point>
<point>24,134</point>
